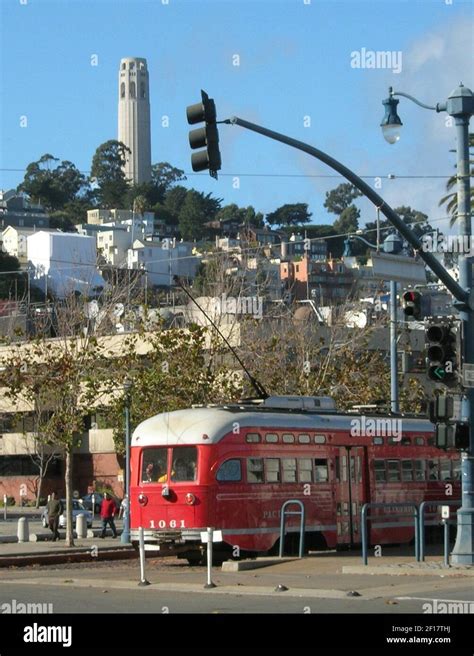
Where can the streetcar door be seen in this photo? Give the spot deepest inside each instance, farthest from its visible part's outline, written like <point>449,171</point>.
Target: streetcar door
<point>350,474</point>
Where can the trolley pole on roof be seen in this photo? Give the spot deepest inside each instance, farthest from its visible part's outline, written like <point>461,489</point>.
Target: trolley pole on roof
<point>459,105</point>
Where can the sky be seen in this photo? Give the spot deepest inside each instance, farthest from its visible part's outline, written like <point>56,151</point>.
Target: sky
<point>286,64</point>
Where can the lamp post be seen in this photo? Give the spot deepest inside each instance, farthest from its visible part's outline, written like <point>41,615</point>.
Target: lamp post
<point>125,537</point>
<point>459,105</point>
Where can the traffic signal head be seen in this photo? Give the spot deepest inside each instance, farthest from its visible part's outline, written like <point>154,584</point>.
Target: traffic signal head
<point>411,303</point>
<point>441,353</point>
<point>452,436</point>
<point>204,137</point>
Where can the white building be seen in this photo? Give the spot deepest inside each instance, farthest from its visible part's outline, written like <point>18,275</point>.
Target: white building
<point>163,260</point>
<point>134,118</point>
<point>64,263</point>
<point>15,240</point>
<point>113,245</point>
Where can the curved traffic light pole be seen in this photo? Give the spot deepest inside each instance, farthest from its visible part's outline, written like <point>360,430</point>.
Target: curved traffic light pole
<point>454,287</point>
<point>463,552</point>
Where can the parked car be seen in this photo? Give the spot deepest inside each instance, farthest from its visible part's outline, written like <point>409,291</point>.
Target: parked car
<point>87,501</point>
<point>77,509</point>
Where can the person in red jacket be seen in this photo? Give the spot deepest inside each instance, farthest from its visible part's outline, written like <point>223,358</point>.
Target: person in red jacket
<point>107,514</point>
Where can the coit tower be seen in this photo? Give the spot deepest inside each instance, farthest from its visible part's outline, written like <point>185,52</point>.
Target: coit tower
<point>134,118</point>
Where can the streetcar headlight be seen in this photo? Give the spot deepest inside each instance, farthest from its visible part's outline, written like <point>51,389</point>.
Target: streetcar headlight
<point>142,499</point>
<point>190,499</point>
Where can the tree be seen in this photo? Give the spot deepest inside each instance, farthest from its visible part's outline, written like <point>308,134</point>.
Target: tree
<point>347,221</point>
<point>339,199</point>
<point>192,216</point>
<point>107,171</point>
<point>176,372</point>
<point>165,176</point>
<point>451,199</point>
<point>289,214</point>
<point>196,210</point>
<point>52,185</point>
<point>174,200</point>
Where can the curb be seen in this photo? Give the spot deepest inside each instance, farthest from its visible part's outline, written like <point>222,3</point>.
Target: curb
<point>407,570</point>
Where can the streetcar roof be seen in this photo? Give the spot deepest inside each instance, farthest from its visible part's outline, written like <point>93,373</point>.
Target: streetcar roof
<point>209,425</point>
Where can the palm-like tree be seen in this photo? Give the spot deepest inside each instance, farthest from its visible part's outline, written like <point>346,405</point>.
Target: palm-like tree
<point>451,199</point>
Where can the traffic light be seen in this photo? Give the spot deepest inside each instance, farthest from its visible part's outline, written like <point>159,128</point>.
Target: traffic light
<point>452,436</point>
<point>205,137</point>
<point>411,304</point>
<point>441,353</point>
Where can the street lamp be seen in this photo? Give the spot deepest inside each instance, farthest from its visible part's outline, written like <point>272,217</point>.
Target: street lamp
<point>391,122</point>
<point>459,105</point>
<point>125,537</point>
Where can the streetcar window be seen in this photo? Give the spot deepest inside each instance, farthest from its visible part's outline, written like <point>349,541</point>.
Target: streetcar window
<point>305,470</point>
<point>419,467</point>
<point>304,439</point>
<point>419,441</point>
<point>255,470</point>
<point>271,437</point>
<point>154,465</point>
<point>377,440</point>
<point>406,441</point>
<point>379,468</point>
<point>184,463</point>
<point>456,470</point>
<point>230,470</point>
<point>445,470</point>
<point>321,472</point>
<point>289,470</point>
<point>393,467</point>
<point>433,470</point>
<point>252,437</point>
<point>395,440</point>
<point>407,470</point>
<point>320,439</point>
<point>288,438</point>
<point>272,470</point>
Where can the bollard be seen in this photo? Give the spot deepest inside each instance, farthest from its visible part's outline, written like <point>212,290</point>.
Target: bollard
<point>81,526</point>
<point>5,501</point>
<point>209,583</point>
<point>23,530</point>
<point>446,542</point>
<point>141,540</point>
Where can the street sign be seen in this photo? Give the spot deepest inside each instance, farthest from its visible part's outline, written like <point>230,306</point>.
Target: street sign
<point>398,268</point>
<point>216,536</point>
<point>444,512</point>
<point>468,375</point>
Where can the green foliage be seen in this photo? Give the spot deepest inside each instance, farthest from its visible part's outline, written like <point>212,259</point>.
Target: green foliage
<point>339,199</point>
<point>289,214</point>
<point>348,220</point>
<point>51,184</point>
<point>107,171</point>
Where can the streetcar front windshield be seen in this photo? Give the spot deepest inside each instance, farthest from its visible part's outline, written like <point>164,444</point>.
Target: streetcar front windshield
<point>155,465</point>
<point>184,463</point>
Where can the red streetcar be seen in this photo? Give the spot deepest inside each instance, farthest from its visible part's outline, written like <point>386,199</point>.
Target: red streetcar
<point>233,467</point>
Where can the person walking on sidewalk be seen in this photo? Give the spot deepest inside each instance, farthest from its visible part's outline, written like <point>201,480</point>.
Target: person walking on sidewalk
<point>54,509</point>
<point>107,514</point>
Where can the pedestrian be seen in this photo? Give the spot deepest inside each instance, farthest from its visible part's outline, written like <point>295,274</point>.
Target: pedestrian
<point>107,514</point>
<point>54,509</point>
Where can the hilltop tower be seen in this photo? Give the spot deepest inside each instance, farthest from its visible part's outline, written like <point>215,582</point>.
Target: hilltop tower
<point>134,118</point>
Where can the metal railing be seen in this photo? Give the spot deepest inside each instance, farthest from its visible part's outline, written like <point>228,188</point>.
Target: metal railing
<point>423,505</point>
<point>363,522</point>
<point>283,514</point>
